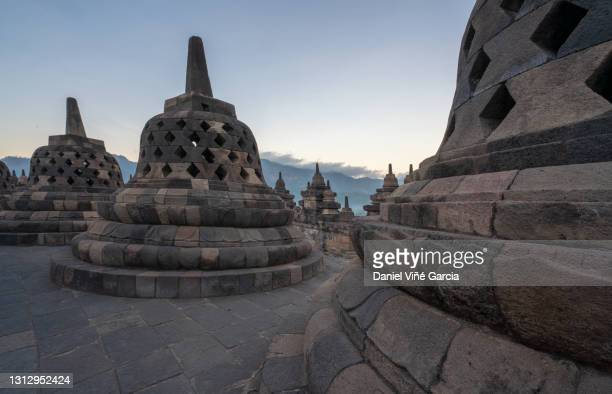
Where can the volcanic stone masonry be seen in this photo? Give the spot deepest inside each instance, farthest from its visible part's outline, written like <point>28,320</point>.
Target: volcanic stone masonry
<point>389,185</point>
<point>346,213</point>
<point>66,178</point>
<point>7,183</point>
<point>318,200</point>
<point>527,155</point>
<point>282,191</point>
<point>197,219</point>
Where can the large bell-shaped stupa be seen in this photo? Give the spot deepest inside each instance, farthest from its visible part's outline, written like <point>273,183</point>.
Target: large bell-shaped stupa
<point>67,177</point>
<point>198,218</point>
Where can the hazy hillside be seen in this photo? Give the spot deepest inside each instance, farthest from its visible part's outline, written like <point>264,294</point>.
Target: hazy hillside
<point>357,189</point>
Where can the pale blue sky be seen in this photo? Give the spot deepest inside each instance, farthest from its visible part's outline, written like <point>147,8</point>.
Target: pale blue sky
<point>358,82</point>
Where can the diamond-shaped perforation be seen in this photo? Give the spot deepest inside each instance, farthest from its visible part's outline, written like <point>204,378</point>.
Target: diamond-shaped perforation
<point>77,155</point>
<point>601,80</point>
<point>92,156</point>
<point>208,156</point>
<point>60,170</point>
<point>193,170</point>
<point>478,69</point>
<point>43,170</point>
<point>78,172</point>
<point>150,138</point>
<point>232,156</point>
<point>158,152</point>
<point>180,152</point>
<point>160,124</point>
<point>498,107</point>
<point>89,182</point>
<point>219,140</point>
<point>85,163</point>
<point>146,169</point>
<point>258,173</point>
<point>181,123</point>
<point>557,26</point>
<point>205,125</point>
<point>512,5</point>
<point>70,180</point>
<point>166,170</point>
<point>221,172</point>
<point>143,153</point>
<point>169,137</point>
<point>194,138</point>
<point>51,179</point>
<point>249,159</point>
<point>243,173</point>
<point>227,127</point>
<point>242,143</point>
<point>52,161</point>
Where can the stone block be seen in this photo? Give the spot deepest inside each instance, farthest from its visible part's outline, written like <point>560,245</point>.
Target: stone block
<point>166,285</point>
<point>466,217</point>
<point>484,362</point>
<point>145,285</point>
<point>413,336</point>
<point>190,285</point>
<point>358,378</point>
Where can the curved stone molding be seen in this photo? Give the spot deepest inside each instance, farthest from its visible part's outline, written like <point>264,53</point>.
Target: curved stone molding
<point>415,347</point>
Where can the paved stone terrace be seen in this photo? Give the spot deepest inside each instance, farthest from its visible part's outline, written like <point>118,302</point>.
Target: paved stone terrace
<point>142,345</point>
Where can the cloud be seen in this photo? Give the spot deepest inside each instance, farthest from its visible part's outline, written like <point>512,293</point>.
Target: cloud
<point>290,160</point>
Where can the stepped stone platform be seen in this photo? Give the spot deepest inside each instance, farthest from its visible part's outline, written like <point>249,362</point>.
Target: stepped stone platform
<point>67,178</point>
<point>126,345</point>
<point>67,270</point>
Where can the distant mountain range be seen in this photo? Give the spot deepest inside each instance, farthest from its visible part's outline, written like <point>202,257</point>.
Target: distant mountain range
<point>357,189</point>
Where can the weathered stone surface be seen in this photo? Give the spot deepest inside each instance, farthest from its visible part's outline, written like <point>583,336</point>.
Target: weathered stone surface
<point>533,314</point>
<point>331,353</point>
<point>592,381</point>
<point>482,362</point>
<point>358,378</point>
<point>351,292</point>
<point>284,374</point>
<point>413,336</point>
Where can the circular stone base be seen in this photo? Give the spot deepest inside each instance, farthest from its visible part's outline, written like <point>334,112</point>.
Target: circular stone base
<point>37,239</point>
<point>68,271</point>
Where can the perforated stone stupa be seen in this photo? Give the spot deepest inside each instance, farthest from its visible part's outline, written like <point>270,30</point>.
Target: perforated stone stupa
<point>282,191</point>
<point>527,155</point>
<point>389,185</point>
<point>66,178</point>
<point>318,200</point>
<point>197,219</point>
<point>7,183</point>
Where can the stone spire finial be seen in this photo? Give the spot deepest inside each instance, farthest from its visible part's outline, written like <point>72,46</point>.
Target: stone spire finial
<point>23,172</point>
<point>197,71</point>
<point>390,169</point>
<point>14,174</point>
<point>74,123</point>
<point>280,175</point>
<point>317,168</point>
<point>410,170</point>
<point>346,203</point>
<point>328,184</point>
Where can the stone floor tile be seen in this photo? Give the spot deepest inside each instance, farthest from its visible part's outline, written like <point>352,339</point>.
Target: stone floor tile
<point>146,371</point>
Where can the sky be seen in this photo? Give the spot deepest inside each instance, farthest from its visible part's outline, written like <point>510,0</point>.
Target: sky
<point>354,83</point>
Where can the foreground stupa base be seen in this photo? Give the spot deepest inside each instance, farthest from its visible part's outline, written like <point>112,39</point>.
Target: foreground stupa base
<point>382,339</point>
<point>68,271</point>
